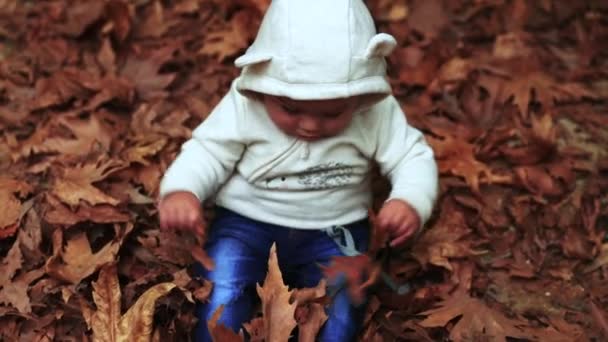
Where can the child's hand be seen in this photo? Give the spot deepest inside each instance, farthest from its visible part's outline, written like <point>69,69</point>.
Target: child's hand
<point>181,210</point>
<point>399,220</point>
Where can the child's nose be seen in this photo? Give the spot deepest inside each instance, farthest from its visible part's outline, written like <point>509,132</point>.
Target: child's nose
<point>309,123</point>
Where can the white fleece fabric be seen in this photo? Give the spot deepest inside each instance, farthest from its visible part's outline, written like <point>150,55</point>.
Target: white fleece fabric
<point>307,49</point>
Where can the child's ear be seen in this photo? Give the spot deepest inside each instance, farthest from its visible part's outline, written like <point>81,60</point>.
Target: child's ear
<point>381,45</point>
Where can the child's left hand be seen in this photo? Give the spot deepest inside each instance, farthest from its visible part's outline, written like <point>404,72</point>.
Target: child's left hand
<point>399,220</point>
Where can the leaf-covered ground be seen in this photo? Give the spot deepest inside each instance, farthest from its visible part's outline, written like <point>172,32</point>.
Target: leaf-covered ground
<point>97,96</point>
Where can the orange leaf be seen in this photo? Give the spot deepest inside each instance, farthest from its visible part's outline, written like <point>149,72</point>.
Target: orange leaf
<point>359,272</point>
<point>219,332</point>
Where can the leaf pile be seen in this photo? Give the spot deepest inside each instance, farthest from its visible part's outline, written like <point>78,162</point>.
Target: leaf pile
<point>96,98</point>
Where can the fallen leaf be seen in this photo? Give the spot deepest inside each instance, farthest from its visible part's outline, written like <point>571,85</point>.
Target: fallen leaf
<point>231,39</point>
<point>9,213</point>
<point>144,73</point>
<point>277,310</point>
<point>136,324</point>
<point>477,320</point>
<point>76,260</point>
<point>153,24</point>
<point>120,16</point>
<point>312,314</point>
<point>220,332</point>
<point>357,273</point>
<point>457,157</point>
<point>80,16</point>
<point>255,329</point>
<point>448,238</point>
<point>76,182</point>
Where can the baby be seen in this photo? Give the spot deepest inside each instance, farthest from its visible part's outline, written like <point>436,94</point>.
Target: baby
<point>287,156</point>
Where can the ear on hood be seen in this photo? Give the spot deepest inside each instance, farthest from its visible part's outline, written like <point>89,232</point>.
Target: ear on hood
<point>381,45</point>
<point>251,58</point>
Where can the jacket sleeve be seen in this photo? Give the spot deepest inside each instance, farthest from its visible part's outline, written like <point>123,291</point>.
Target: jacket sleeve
<point>406,159</point>
<point>209,157</point>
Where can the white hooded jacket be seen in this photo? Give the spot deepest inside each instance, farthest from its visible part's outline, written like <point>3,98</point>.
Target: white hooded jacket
<point>307,49</point>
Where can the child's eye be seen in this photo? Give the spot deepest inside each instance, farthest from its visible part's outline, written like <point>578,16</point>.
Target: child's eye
<point>332,115</point>
<point>290,110</point>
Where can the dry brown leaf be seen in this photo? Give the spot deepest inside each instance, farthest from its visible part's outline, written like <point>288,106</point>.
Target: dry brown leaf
<point>76,260</point>
<point>80,16</point>
<point>457,157</point>
<point>428,17</point>
<point>277,310</point>
<point>449,238</point>
<point>312,314</point>
<point>477,321</point>
<point>136,324</point>
<point>16,292</point>
<point>14,288</point>
<point>10,264</point>
<point>76,183</point>
<point>30,237</point>
<point>15,186</point>
<point>144,73</point>
<point>202,293</point>
<point>357,273</point>
<point>255,329</point>
<point>143,148</point>
<point>153,24</point>
<point>219,332</point>
<point>59,213</point>
<point>119,13</point>
<point>9,213</point>
<point>234,37</point>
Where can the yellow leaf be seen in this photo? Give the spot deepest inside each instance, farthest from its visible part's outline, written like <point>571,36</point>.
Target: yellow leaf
<point>137,323</point>
<point>278,313</point>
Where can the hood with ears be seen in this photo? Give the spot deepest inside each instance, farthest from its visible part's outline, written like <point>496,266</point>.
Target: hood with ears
<point>315,50</point>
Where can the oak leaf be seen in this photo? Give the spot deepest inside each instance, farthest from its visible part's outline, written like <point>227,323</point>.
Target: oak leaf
<point>136,324</point>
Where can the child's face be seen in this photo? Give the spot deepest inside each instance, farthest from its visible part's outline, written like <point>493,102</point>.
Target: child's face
<point>313,119</point>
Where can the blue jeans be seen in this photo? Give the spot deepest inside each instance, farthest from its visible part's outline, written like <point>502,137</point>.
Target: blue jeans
<point>240,247</point>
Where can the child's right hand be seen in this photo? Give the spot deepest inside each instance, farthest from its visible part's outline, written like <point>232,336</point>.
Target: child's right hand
<point>181,210</point>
